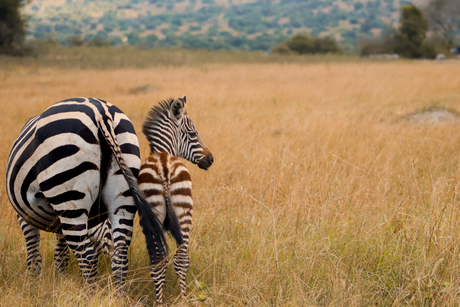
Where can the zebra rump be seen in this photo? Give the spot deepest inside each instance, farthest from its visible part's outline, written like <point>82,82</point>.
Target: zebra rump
<point>63,176</point>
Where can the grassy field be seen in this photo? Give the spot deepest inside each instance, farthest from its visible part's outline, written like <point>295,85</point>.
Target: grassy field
<point>318,195</point>
<point>51,55</point>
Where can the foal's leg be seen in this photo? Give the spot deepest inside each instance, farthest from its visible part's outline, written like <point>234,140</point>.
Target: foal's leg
<point>182,203</point>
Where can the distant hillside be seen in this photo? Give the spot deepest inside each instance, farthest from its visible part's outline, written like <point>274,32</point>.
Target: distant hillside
<point>215,24</point>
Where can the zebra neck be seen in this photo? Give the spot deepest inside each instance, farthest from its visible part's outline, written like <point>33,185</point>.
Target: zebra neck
<point>155,148</point>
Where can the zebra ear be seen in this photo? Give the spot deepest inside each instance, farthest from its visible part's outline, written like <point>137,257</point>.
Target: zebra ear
<point>177,108</point>
<point>184,99</point>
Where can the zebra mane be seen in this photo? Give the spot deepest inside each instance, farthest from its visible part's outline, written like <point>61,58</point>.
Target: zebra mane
<point>157,114</point>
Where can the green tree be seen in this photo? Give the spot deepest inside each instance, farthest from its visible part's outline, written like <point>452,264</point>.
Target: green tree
<point>412,32</point>
<point>12,24</point>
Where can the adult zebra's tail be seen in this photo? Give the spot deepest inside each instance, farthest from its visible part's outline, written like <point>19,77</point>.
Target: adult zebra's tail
<point>151,226</point>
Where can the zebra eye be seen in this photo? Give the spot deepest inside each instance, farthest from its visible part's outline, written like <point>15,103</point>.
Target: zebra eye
<point>192,134</point>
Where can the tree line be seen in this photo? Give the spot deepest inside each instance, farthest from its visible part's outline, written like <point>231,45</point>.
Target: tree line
<point>410,39</point>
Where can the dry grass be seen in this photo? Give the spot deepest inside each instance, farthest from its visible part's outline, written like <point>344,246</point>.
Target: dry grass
<point>109,57</point>
<point>317,197</point>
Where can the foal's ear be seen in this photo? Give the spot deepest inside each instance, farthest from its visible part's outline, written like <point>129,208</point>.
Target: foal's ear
<point>177,108</point>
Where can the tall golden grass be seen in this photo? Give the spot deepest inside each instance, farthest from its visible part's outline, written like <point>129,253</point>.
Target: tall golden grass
<point>317,196</point>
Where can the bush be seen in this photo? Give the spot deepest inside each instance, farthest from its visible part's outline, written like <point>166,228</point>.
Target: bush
<point>281,49</point>
<point>326,45</point>
<point>301,44</point>
<point>433,46</point>
<point>76,41</point>
<point>98,42</point>
<point>305,44</point>
<point>38,47</point>
<point>428,50</point>
<point>381,45</point>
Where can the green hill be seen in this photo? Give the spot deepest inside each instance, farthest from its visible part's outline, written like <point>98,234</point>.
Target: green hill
<point>214,24</point>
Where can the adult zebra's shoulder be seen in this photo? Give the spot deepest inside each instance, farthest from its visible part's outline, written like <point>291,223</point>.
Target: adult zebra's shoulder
<point>166,182</point>
<point>73,167</point>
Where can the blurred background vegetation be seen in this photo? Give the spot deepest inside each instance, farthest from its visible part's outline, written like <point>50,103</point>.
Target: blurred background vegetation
<point>412,29</point>
<point>214,24</point>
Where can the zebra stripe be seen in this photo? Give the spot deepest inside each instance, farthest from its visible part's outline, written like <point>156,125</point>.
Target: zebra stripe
<point>166,182</point>
<point>100,237</point>
<point>72,168</point>
<point>167,186</point>
<point>169,129</point>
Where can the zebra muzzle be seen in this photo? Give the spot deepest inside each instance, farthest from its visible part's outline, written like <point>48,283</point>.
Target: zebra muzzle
<point>206,161</point>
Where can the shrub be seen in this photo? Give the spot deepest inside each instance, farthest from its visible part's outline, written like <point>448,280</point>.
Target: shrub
<point>98,42</point>
<point>326,45</point>
<point>76,41</point>
<point>281,49</point>
<point>380,45</point>
<point>305,44</point>
<point>301,44</point>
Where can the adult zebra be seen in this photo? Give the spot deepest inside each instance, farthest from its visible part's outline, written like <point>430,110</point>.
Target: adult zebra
<point>166,182</point>
<point>70,169</point>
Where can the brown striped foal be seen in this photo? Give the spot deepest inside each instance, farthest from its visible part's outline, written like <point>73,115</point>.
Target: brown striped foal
<point>166,182</point>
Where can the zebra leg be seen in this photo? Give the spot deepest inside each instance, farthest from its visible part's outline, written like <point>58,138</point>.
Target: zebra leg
<point>181,265</point>
<point>32,236</point>
<point>182,204</point>
<point>101,238</point>
<point>61,253</point>
<point>122,235</point>
<point>121,211</point>
<point>75,233</point>
<point>181,258</point>
<point>158,274</point>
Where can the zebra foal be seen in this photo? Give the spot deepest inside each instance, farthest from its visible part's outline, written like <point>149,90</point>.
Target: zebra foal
<point>73,168</point>
<point>166,182</point>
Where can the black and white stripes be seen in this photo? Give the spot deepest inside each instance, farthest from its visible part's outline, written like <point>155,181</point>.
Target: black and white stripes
<point>169,129</point>
<point>167,186</point>
<point>73,171</point>
<point>72,168</point>
<point>166,182</point>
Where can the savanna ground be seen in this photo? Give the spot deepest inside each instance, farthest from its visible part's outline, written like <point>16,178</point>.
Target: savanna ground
<point>318,195</point>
